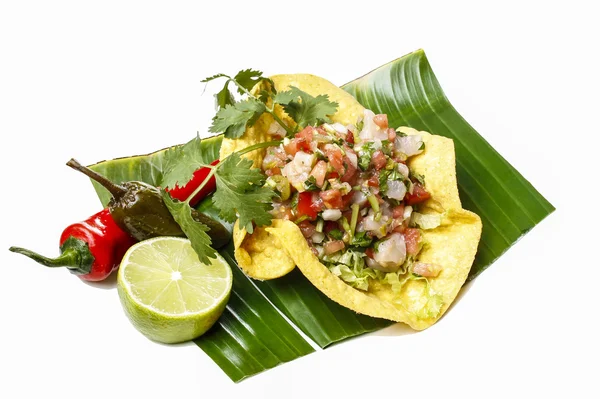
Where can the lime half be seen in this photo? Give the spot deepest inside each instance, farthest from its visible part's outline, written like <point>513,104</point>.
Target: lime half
<point>167,293</point>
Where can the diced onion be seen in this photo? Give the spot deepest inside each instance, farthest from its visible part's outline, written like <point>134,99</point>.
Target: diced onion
<point>317,238</point>
<point>396,190</point>
<point>390,254</point>
<point>352,158</point>
<point>275,129</point>
<point>403,169</point>
<point>332,214</point>
<point>409,145</point>
<point>359,198</point>
<point>407,212</point>
<point>370,130</point>
<point>338,127</point>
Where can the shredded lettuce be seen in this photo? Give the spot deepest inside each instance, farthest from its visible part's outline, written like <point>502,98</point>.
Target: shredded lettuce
<point>351,268</point>
<point>426,221</point>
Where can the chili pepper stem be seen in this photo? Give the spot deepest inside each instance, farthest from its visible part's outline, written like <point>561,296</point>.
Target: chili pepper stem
<point>116,190</point>
<point>70,257</point>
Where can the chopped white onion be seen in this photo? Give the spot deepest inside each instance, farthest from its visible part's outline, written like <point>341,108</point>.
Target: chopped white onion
<point>352,158</point>
<point>403,169</point>
<point>370,130</point>
<point>275,129</point>
<point>396,190</point>
<point>409,145</point>
<point>317,238</point>
<point>390,253</point>
<point>359,198</point>
<point>407,212</point>
<point>331,214</point>
<point>338,127</point>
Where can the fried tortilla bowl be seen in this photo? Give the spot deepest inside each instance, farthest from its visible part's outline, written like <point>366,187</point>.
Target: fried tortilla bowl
<point>273,251</point>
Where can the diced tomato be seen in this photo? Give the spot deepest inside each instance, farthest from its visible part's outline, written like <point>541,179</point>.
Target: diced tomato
<point>334,154</point>
<point>381,120</point>
<point>419,194</point>
<point>307,228</point>
<point>304,145</point>
<point>350,175</point>
<point>332,199</point>
<point>346,199</point>
<point>319,172</point>
<point>306,206</point>
<point>291,148</point>
<point>398,212</point>
<point>333,175</point>
<point>333,246</point>
<point>306,134</point>
<point>349,137</point>
<point>412,237</point>
<point>297,144</point>
<point>370,253</point>
<point>379,160</point>
<point>374,180</point>
<point>391,134</point>
<point>273,171</point>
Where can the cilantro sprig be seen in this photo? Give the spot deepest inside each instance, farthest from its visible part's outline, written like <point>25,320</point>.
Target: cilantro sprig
<point>240,192</point>
<point>234,117</point>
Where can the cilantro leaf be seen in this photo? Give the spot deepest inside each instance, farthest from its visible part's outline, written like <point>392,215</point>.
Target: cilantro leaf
<point>304,108</point>
<point>361,239</point>
<point>233,119</point>
<point>310,184</point>
<point>365,154</point>
<point>180,162</point>
<point>418,177</point>
<point>195,231</point>
<point>224,97</point>
<point>240,191</point>
<point>217,76</point>
<point>247,78</point>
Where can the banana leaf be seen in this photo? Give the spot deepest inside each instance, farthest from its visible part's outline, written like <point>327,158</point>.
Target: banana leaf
<point>252,336</point>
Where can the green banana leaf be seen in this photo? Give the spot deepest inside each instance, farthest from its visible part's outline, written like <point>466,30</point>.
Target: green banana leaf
<point>252,336</point>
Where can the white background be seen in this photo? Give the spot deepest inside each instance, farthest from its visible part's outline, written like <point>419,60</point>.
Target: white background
<point>120,78</point>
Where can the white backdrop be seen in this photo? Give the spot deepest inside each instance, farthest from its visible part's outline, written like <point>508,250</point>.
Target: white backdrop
<point>97,81</point>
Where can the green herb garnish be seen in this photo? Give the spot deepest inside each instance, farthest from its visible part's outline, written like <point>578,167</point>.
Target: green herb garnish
<point>234,117</point>
<point>310,184</point>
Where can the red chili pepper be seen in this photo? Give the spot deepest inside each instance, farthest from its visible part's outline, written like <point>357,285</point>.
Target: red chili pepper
<point>182,193</point>
<point>91,249</point>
